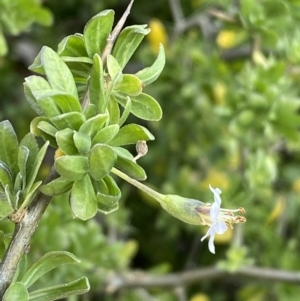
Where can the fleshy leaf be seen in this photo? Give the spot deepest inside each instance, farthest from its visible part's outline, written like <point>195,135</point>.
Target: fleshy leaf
<point>65,141</point>
<point>101,160</point>
<point>72,167</point>
<point>47,263</point>
<point>126,112</point>
<point>17,291</point>
<point>106,134</point>
<point>93,125</point>
<point>131,168</point>
<point>22,162</point>
<point>72,46</point>
<point>82,142</point>
<point>72,120</point>
<point>5,175</point>
<point>97,95</point>
<point>114,110</point>
<point>9,147</point>
<point>131,134</point>
<point>5,209</point>
<point>36,166</point>
<point>57,72</point>
<point>57,187</point>
<point>150,74</point>
<point>143,106</point>
<point>83,200</point>
<point>130,85</point>
<point>108,195</point>
<point>77,287</point>
<point>96,32</point>
<point>128,41</point>
<point>113,67</point>
<point>30,142</point>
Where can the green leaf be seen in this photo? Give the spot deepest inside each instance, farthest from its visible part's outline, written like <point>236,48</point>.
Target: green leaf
<point>5,175</point>
<point>126,112</point>
<point>57,72</point>
<point>131,168</point>
<point>36,166</point>
<point>46,264</point>
<point>17,291</point>
<point>101,160</point>
<point>123,153</point>
<point>93,125</point>
<point>106,134</point>
<point>9,147</point>
<point>97,95</point>
<point>113,67</point>
<point>72,168</point>
<point>96,32</point>
<point>131,134</point>
<point>30,142</point>
<point>143,106</point>
<point>34,87</point>
<point>57,187</point>
<point>31,193</point>
<point>64,101</point>
<point>82,142</point>
<point>72,120</point>
<point>39,133</point>
<point>22,163</point>
<point>37,66</point>
<point>150,74</point>
<point>90,111</point>
<point>113,110</point>
<point>5,209</point>
<point>72,46</point>
<point>108,195</point>
<point>47,128</point>
<point>128,41</point>
<point>77,287</point>
<point>83,200</point>
<point>130,85</point>
<point>65,141</point>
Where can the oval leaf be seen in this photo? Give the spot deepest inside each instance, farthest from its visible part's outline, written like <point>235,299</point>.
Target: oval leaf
<point>72,120</point>
<point>96,32</point>
<point>132,169</point>
<point>82,142</point>
<point>72,167</point>
<point>65,141</point>
<point>57,187</point>
<point>101,160</point>
<point>83,201</point>
<point>130,85</point>
<point>131,134</point>
<point>93,125</point>
<point>57,72</point>
<point>106,134</point>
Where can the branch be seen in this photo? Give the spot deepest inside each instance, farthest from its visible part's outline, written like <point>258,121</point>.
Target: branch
<point>141,279</point>
<point>114,34</point>
<point>24,230</point>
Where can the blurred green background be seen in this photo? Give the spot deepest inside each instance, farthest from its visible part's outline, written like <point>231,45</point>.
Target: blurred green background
<point>230,97</point>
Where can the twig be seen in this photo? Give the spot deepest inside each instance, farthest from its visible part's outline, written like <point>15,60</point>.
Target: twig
<point>140,279</point>
<point>21,239</point>
<point>114,34</point>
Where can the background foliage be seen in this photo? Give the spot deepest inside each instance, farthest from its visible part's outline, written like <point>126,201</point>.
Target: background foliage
<point>230,97</point>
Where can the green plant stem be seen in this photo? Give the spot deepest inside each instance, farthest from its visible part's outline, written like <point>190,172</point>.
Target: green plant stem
<point>157,196</point>
<point>24,230</point>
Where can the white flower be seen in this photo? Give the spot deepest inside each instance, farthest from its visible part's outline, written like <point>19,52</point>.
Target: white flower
<point>217,226</point>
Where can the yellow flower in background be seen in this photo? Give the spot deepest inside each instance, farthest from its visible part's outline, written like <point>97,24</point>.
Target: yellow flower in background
<point>227,38</point>
<point>216,178</point>
<point>277,211</point>
<point>157,35</point>
<point>200,297</point>
<point>296,185</point>
<point>219,93</point>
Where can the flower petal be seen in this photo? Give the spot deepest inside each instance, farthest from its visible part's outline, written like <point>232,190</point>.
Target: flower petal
<point>211,245</point>
<point>209,231</point>
<point>216,193</point>
<point>214,211</point>
<point>220,227</point>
